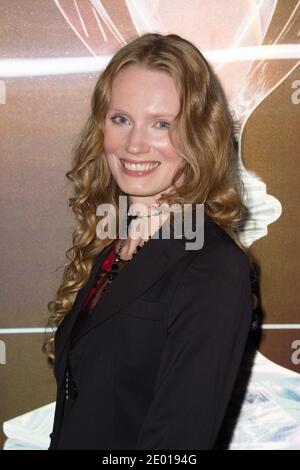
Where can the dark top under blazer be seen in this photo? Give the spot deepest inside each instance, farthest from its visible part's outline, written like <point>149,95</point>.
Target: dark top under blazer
<point>155,364</point>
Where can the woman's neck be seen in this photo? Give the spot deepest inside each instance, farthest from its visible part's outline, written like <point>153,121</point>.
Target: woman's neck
<point>140,231</point>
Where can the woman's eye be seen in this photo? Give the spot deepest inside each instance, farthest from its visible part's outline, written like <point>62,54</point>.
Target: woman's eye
<point>166,126</point>
<point>118,117</point>
<point>122,120</point>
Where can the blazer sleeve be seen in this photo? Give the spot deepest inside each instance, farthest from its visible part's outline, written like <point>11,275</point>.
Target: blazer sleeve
<point>208,325</point>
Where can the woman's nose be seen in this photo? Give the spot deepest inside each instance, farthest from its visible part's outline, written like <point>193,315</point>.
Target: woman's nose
<point>137,142</point>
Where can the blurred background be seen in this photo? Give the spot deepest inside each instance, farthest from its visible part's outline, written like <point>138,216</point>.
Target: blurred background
<point>51,54</point>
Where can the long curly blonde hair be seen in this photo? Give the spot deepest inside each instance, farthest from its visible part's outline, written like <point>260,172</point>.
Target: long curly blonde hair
<point>201,133</point>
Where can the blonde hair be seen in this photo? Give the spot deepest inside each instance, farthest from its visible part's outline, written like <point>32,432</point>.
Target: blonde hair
<point>201,133</point>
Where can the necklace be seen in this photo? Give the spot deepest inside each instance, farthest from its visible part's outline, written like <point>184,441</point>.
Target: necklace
<point>115,268</point>
<point>114,271</point>
<point>162,209</point>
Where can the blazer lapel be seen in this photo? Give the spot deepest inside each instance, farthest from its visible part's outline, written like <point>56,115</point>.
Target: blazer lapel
<point>62,335</point>
<point>156,258</point>
<point>152,262</point>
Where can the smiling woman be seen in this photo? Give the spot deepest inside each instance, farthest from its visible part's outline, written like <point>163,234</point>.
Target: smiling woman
<point>151,363</point>
<point>137,143</point>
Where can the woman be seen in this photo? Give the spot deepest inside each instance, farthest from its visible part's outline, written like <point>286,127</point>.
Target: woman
<point>147,355</point>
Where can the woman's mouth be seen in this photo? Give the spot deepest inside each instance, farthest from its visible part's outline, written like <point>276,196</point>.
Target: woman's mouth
<point>139,169</point>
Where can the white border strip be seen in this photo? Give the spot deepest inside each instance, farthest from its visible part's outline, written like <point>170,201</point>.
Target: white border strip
<point>13,331</point>
<point>31,67</point>
<point>267,326</point>
<point>281,326</point>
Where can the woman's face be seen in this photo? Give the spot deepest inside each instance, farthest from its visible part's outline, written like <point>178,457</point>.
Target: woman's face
<point>143,104</point>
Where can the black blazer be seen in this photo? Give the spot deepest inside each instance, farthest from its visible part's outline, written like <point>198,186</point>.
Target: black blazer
<point>155,365</point>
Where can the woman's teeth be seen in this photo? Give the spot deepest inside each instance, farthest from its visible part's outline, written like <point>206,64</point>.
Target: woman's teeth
<point>139,166</point>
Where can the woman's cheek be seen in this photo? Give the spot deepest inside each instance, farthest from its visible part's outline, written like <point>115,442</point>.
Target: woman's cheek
<point>112,138</point>
<point>166,149</point>
<point>109,143</point>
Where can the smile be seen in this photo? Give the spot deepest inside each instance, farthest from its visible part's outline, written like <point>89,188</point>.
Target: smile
<point>139,168</point>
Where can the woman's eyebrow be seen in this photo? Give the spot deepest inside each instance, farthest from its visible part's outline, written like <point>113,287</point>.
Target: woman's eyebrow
<point>150,114</point>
